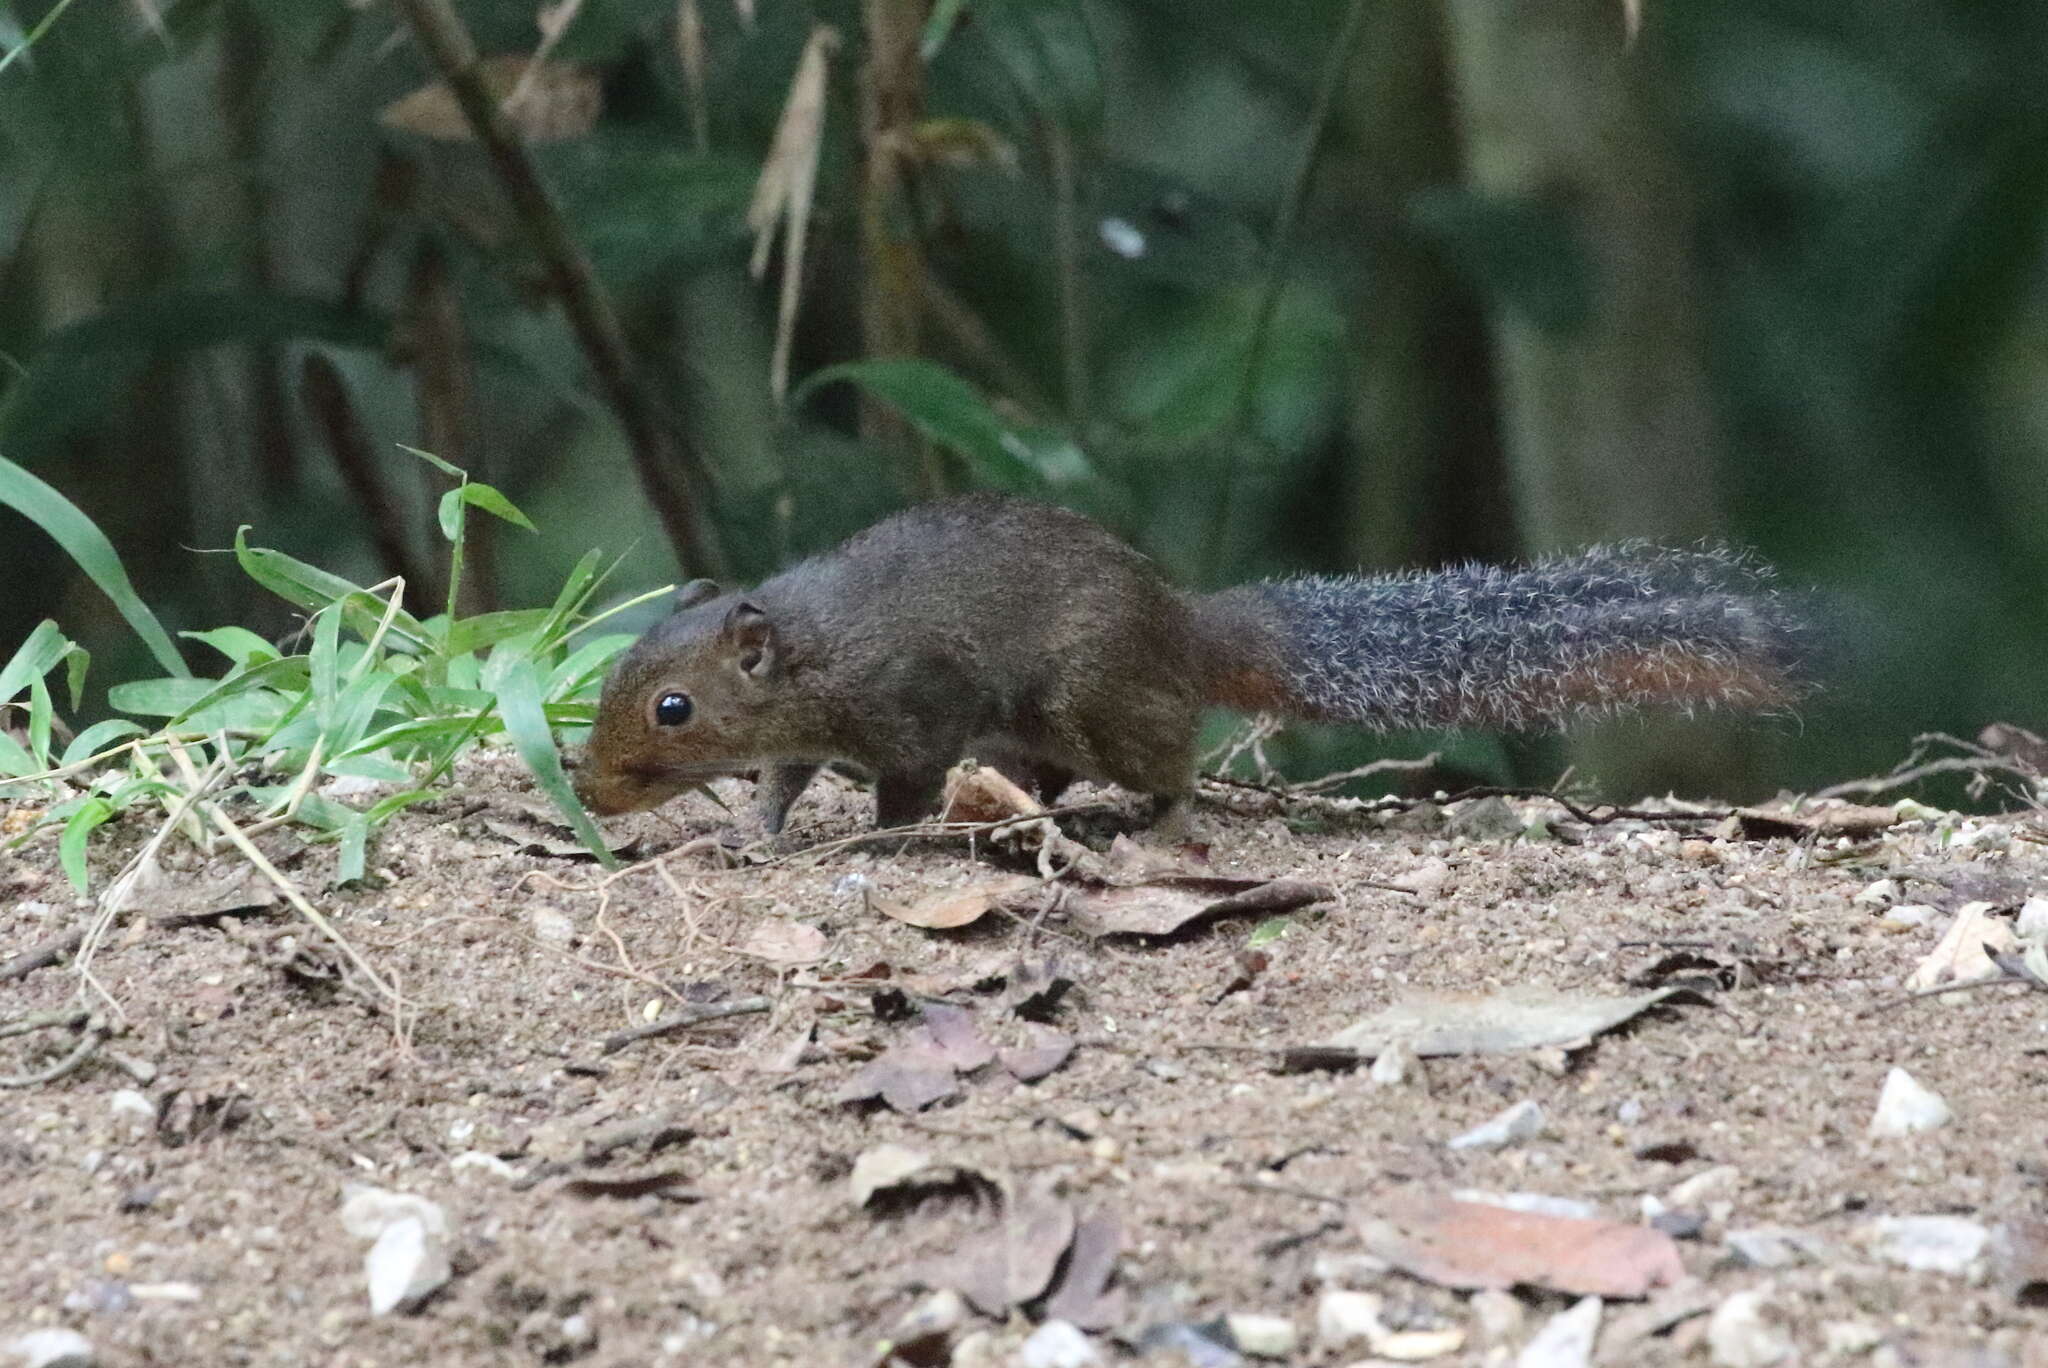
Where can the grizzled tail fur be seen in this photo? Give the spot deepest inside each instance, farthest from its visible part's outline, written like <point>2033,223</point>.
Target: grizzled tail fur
<point>1530,647</point>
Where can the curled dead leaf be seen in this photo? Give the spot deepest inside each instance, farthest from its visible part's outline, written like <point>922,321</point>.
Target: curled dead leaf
<point>985,794</point>
<point>956,907</point>
<point>785,942</point>
<point>1163,906</point>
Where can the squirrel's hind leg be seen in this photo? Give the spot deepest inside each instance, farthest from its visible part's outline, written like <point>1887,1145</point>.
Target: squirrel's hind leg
<point>906,798</point>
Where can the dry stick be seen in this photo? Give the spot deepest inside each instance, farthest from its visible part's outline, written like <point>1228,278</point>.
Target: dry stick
<point>56,947</point>
<point>656,448</point>
<point>305,909</point>
<point>93,1032</point>
<point>684,1020</point>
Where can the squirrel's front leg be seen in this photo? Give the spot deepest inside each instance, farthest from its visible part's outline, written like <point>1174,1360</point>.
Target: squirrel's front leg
<point>778,789</point>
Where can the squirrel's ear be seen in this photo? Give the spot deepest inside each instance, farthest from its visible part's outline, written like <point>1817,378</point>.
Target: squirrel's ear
<point>753,639</point>
<point>695,592</point>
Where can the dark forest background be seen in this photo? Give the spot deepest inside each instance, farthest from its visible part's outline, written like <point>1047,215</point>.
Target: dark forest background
<point>1268,287</point>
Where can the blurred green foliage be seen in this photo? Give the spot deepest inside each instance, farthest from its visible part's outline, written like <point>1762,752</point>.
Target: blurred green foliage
<point>1789,252</point>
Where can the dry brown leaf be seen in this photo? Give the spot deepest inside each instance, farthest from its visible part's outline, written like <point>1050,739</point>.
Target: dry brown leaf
<point>907,1078</point>
<point>1472,1245</point>
<point>1162,906</point>
<point>783,194</point>
<point>1525,1018</point>
<point>1963,955</point>
<point>1048,1050</point>
<point>785,942</point>
<point>1012,1263</point>
<point>557,101</point>
<point>984,794</point>
<point>956,907</point>
<point>1081,1295</point>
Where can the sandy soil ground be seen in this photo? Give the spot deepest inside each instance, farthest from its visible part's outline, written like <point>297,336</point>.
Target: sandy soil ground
<point>1175,1176</point>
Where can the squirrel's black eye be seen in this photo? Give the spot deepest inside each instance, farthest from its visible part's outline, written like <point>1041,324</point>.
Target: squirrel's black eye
<point>672,709</point>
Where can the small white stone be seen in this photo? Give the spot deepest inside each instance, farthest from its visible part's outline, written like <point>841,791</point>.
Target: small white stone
<point>1705,1186</point>
<point>164,1292</point>
<point>1849,1338</point>
<point>52,1349</point>
<point>1773,1246</point>
<point>1419,1346</point>
<point>1058,1344</point>
<point>1426,880</point>
<point>409,1258</point>
<point>2033,920</point>
<point>1393,1065</point>
<point>1347,1317</point>
<point>1741,1335</point>
<point>1497,1315</point>
<point>552,926</point>
<point>134,1114</point>
<point>1906,1106</point>
<point>404,1265</point>
<point>1537,1203</point>
<point>1929,1244</point>
<point>485,1163</point>
<point>1880,892</point>
<point>1566,1339</point>
<point>1272,1337</point>
<point>1523,1121</point>
<point>1912,914</point>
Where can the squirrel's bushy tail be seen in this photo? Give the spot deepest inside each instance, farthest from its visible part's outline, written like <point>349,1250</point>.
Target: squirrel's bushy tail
<point>1532,646</point>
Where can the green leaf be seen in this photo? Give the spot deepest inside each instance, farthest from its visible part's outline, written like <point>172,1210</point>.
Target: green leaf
<point>42,505</point>
<point>448,468</point>
<point>952,413</point>
<point>492,502</point>
<point>1268,931</point>
<point>186,700</point>
<point>519,705</point>
<point>71,845</point>
<point>586,665</point>
<point>488,629</point>
<point>324,660</point>
<point>37,657</point>
<point>312,588</point>
<point>97,738</point>
<point>355,849</point>
<point>238,644</point>
<point>39,721</point>
<point>14,761</point>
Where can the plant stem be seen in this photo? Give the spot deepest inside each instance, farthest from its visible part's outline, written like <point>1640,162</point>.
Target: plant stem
<point>1286,221</point>
<point>661,455</point>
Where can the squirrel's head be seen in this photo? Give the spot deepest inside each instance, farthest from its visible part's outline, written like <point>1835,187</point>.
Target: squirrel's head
<point>690,701</point>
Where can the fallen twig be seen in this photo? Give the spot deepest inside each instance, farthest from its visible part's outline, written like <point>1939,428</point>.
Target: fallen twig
<point>684,1020</point>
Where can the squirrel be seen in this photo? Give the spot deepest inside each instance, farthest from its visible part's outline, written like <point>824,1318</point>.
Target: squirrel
<point>1029,636</point>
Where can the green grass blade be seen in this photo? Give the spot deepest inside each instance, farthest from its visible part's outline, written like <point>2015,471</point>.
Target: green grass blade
<point>71,845</point>
<point>42,505</point>
<point>519,704</point>
<point>37,657</point>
